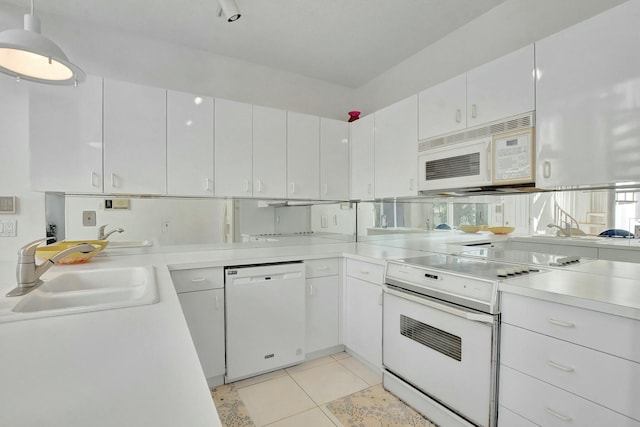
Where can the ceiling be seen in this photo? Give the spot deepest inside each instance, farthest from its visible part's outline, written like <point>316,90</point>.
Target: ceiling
<point>347,42</point>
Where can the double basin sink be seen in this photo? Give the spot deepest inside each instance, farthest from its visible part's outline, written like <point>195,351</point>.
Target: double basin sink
<point>83,291</point>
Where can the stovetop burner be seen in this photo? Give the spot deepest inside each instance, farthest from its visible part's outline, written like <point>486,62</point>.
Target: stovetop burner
<point>476,268</point>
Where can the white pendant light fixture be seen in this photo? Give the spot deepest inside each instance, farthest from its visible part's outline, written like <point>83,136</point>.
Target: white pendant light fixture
<point>230,10</point>
<point>27,54</point>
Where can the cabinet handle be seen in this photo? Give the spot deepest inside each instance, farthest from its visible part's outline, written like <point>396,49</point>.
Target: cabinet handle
<point>246,185</point>
<point>558,415</point>
<point>474,111</point>
<point>458,115</point>
<point>293,188</point>
<point>559,366</point>
<point>310,290</point>
<point>114,180</point>
<point>322,267</point>
<point>217,303</point>
<point>199,279</point>
<point>561,323</point>
<point>403,271</point>
<point>259,186</point>
<point>546,169</point>
<point>325,189</point>
<point>93,182</point>
<point>364,272</point>
<point>368,188</point>
<point>208,183</point>
<point>411,184</point>
<point>380,299</point>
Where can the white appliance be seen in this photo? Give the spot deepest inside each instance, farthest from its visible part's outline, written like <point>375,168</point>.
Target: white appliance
<point>441,335</point>
<point>496,155</point>
<point>265,318</point>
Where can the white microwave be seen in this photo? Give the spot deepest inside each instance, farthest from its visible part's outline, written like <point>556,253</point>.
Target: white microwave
<point>494,160</point>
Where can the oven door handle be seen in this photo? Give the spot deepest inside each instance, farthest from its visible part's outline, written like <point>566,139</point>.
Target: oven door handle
<point>460,312</point>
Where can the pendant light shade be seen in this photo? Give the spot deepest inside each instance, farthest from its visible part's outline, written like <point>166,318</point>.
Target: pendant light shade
<point>27,54</point>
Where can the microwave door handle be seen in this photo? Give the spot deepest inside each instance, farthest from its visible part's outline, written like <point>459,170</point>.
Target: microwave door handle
<point>469,315</point>
<point>489,160</point>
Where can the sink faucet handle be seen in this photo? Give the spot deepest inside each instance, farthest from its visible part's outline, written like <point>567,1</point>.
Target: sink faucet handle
<point>28,251</point>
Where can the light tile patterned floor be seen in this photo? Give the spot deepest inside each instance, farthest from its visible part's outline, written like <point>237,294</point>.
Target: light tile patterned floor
<point>335,390</point>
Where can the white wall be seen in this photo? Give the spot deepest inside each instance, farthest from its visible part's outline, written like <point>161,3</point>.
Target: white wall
<point>14,169</point>
<point>121,55</point>
<point>507,27</point>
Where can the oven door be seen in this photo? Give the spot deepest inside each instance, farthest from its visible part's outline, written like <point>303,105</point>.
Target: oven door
<point>448,353</point>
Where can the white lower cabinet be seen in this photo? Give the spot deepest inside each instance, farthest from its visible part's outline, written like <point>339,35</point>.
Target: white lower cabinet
<point>363,312</point>
<point>201,296</point>
<point>564,365</point>
<point>322,304</point>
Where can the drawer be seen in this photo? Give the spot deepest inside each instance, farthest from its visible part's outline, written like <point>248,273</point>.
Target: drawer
<point>322,267</point>
<point>373,273</point>
<point>198,279</point>
<point>508,418</point>
<point>599,377</point>
<point>549,406</point>
<point>611,334</point>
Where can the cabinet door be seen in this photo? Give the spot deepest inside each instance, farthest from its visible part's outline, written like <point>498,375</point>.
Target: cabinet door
<point>204,313</point>
<point>135,149</point>
<point>586,104</point>
<point>65,136</point>
<point>363,319</point>
<point>189,144</point>
<point>303,156</point>
<point>322,313</point>
<point>396,149</point>
<point>269,152</point>
<point>442,108</point>
<point>362,158</point>
<point>233,148</point>
<point>501,88</point>
<point>334,160</point>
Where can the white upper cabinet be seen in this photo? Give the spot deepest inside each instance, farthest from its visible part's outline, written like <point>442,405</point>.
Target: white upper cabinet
<point>396,149</point>
<point>65,137</point>
<point>334,159</point>
<point>303,156</point>
<point>269,152</point>
<point>233,148</point>
<point>362,158</point>
<point>189,144</point>
<point>501,88</point>
<point>443,108</point>
<point>135,149</point>
<point>587,101</point>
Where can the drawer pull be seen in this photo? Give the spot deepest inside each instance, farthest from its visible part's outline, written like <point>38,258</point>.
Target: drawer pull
<point>403,271</point>
<point>559,366</point>
<point>322,267</point>
<point>364,272</point>
<point>558,415</point>
<point>199,279</point>
<point>561,323</point>
<point>217,303</point>
<point>310,290</point>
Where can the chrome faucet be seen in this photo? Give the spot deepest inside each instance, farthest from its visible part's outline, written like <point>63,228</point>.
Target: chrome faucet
<point>102,236</point>
<point>28,273</point>
<point>565,231</point>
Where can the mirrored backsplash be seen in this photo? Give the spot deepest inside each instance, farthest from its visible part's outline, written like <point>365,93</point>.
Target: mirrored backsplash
<point>165,222</point>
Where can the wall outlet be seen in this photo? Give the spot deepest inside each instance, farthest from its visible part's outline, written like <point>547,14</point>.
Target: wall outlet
<point>164,224</point>
<point>8,227</point>
<point>89,218</point>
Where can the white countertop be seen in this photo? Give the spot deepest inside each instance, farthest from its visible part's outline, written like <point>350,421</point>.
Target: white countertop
<point>132,366</point>
<point>588,241</point>
<point>137,366</point>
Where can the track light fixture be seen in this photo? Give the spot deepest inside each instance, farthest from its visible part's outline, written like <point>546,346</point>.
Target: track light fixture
<point>230,10</point>
<point>27,54</point>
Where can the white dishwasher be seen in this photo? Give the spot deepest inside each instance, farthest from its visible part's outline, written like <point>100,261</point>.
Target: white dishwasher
<point>265,318</point>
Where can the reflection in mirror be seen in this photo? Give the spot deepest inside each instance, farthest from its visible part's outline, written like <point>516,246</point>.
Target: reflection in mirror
<point>168,223</point>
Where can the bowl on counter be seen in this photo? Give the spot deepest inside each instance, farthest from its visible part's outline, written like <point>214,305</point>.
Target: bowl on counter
<point>470,228</point>
<point>44,253</point>
<point>501,230</point>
